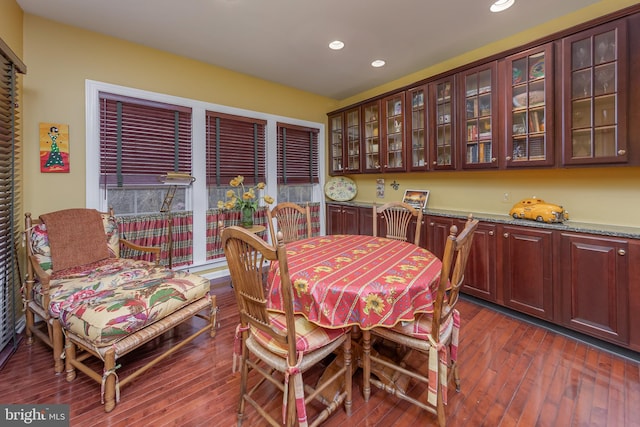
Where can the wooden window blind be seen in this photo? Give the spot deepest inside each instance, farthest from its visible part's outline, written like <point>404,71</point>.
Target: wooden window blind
<point>10,190</point>
<point>297,154</point>
<point>235,146</point>
<point>141,140</point>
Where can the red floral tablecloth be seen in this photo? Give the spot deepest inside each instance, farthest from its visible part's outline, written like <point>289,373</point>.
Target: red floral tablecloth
<point>343,280</point>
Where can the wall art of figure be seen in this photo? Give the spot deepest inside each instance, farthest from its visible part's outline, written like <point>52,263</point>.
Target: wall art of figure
<point>54,147</point>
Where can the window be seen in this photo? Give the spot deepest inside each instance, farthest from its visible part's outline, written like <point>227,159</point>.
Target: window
<point>235,146</point>
<point>141,140</point>
<point>223,142</point>
<point>10,187</point>
<point>297,163</point>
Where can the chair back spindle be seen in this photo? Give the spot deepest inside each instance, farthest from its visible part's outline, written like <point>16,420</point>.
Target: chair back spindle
<point>397,218</point>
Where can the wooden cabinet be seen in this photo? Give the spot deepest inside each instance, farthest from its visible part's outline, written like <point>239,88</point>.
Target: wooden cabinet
<point>442,123</point>
<point>527,270</point>
<point>479,117</point>
<point>528,108</point>
<point>594,286</point>
<point>595,73</point>
<point>371,137</point>
<point>436,231</point>
<point>480,276</point>
<point>565,102</point>
<point>344,142</point>
<point>584,282</point>
<point>366,221</point>
<point>336,143</point>
<point>394,154</point>
<point>342,219</point>
<point>416,129</point>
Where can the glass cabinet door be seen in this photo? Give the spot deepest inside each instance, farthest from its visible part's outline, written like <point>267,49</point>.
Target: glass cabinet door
<point>442,106</point>
<point>393,149</point>
<point>595,96</point>
<point>336,142</point>
<point>416,125</point>
<point>479,125</point>
<point>371,127</point>
<point>530,116</point>
<point>352,149</point>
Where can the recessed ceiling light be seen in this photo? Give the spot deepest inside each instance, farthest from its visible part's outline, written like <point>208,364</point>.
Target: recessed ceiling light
<point>336,45</point>
<point>378,63</point>
<point>501,5</point>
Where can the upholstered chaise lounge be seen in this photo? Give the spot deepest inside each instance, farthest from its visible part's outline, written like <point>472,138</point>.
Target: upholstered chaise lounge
<point>105,305</point>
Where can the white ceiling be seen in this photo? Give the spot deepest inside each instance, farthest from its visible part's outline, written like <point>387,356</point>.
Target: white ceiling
<point>285,41</point>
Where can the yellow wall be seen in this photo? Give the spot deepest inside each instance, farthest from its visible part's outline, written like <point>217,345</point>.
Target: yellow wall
<point>11,25</point>
<point>598,195</point>
<point>59,59</point>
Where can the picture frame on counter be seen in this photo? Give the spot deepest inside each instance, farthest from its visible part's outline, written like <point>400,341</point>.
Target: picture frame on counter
<point>416,198</point>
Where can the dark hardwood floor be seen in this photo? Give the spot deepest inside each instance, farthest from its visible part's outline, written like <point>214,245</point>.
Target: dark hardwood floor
<point>513,373</point>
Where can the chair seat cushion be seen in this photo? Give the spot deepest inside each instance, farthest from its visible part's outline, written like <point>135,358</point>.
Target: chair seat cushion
<point>111,300</point>
<point>309,337</point>
<point>420,328</point>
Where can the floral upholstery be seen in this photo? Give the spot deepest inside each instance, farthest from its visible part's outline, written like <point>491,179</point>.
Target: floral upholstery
<point>114,297</point>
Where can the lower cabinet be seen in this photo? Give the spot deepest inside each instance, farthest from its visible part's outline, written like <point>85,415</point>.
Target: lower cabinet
<point>342,219</point>
<point>527,270</point>
<point>584,282</point>
<point>594,286</point>
<point>480,275</point>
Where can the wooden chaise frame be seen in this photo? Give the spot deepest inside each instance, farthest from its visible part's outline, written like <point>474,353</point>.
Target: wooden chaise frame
<point>52,332</point>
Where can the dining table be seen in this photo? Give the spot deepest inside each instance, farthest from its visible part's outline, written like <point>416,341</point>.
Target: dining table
<point>359,281</point>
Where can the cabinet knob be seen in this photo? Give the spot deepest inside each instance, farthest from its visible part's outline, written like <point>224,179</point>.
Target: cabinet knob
<point>435,163</point>
<point>508,158</point>
<point>491,233</point>
<point>622,152</point>
<point>622,252</point>
<point>505,235</point>
<point>493,160</point>
<point>432,224</point>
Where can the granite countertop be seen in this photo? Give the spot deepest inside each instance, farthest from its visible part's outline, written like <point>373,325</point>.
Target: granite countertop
<point>569,225</point>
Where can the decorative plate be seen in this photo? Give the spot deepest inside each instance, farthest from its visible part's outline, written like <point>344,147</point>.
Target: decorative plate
<point>340,189</point>
<point>537,69</point>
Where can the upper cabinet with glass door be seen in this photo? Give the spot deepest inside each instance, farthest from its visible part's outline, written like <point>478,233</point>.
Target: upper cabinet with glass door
<point>417,128</point>
<point>344,140</point>
<point>336,143</point>
<point>442,115</point>
<point>594,65</point>
<point>371,137</point>
<point>530,107</point>
<point>352,147</point>
<point>394,153</point>
<point>478,117</point>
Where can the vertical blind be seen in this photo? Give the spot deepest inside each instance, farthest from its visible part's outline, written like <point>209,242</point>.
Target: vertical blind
<point>235,146</point>
<point>297,154</point>
<point>141,140</point>
<point>10,190</point>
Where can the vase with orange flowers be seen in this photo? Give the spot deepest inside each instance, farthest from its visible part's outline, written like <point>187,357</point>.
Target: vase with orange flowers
<point>246,200</point>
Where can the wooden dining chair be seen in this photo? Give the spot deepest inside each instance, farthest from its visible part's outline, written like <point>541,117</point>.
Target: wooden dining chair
<point>287,344</point>
<point>293,220</point>
<point>433,337</point>
<point>397,217</point>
